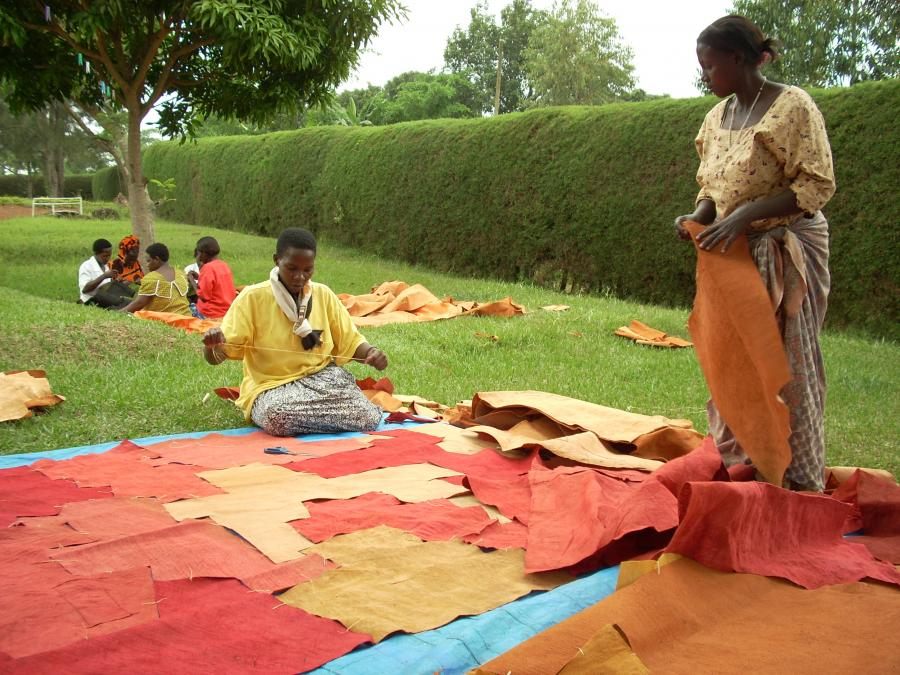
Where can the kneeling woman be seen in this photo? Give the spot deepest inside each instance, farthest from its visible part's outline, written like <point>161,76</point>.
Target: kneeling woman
<point>164,288</point>
<point>292,335</point>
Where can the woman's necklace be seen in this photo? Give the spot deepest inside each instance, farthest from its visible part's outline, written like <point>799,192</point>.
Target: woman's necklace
<point>749,112</point>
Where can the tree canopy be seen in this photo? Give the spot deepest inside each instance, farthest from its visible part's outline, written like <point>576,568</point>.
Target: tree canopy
<point>231,58</point>
<point>826,43</point>
<point>475,51</point>
<point>577,57</point>
<point>414,96</point>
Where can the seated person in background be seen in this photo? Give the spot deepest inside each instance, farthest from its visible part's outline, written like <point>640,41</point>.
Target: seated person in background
<point>215,288</point>
<point>292,335</point>
<point>127,264</point>
<point>163,289</point>
<point>93,272</point>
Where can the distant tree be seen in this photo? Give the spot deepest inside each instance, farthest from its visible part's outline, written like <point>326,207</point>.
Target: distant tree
<point>44,140</point>
<point>426,96</point>
<point>475,51</point>
<point>577,57</point>
<point>406,97</point>
<point>233,58</point>
<point>827,43</point>
<point>364,100</point>
<point>216,125</point>
<point>19,143</point>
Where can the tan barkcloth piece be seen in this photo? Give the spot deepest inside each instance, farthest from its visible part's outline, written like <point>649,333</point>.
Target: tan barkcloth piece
<point>23,390</point>
<point>559,423</point>
<point>390,581</point>
<point>466,500</point>
<point>839,474</point>
<point>632,570</point>
<point>584,447</point>
<point>460,441</point>
<point>607,653</point>
<point>645,335</point>
<point>263,498</point>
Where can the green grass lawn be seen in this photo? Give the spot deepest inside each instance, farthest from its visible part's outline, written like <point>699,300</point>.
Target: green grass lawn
<point>123,377</point>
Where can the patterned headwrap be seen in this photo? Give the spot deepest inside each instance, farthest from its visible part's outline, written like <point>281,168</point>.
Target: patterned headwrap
<point>128,270</point>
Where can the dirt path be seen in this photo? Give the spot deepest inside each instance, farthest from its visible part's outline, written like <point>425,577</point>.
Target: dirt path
<point>13,211</point>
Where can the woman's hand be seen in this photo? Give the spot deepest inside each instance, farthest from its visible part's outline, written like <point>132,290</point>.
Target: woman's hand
<point>680,229</point>
<point>704,213</point>
<point>376,358</point>
<point>724,232</point>
<point>214,336</point>
<point>212,352</point>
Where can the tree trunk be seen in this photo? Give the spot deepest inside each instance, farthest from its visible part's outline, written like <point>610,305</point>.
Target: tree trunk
<point>53,152</point>
<point>53,173</point>
<point>138,198</point>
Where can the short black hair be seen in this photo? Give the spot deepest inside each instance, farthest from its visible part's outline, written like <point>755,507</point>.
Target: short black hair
<point>295,237</point>
<point>158,250</point>
<point>208,245</point>
<point>736,34</point>
<point>101,245</point>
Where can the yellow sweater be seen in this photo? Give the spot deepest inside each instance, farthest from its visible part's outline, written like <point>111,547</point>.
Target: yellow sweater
<point>255,327</point>
<point>168,296</point>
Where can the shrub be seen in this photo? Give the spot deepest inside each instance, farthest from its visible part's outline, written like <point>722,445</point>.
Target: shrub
<point>80,185</point>
<point>105,185</point>
<point>22,186</point>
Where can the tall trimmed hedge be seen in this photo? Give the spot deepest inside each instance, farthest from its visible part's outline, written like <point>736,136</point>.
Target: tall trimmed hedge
<point>106,184</point>
<point>73,186</point>
<point>583,195</point>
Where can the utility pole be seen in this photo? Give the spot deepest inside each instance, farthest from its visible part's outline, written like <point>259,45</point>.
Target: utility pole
<point>497,87</point>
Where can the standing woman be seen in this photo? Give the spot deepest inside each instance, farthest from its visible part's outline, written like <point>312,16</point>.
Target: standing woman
<point>765,172</point>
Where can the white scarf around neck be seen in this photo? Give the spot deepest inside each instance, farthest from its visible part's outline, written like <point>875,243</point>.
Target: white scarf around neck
<point>295,311</point>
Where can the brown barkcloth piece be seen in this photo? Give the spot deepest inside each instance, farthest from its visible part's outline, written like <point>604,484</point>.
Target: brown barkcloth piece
<point>741,353</point>
<point>645,335</point>
<point>22,391</point>
<point>389,581</point>
<point>580,431</point>
<point>398,302</point>
<point>685,619</point>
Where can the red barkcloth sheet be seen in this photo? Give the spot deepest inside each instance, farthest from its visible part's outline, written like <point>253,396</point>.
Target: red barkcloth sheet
<point>877,503</point>
<point>26,492</point>
<point>208,625</point>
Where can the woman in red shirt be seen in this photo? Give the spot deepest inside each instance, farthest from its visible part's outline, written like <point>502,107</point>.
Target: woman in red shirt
<point>215,288</point>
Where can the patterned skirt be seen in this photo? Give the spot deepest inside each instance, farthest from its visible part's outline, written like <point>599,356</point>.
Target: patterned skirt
<point>328,401</point>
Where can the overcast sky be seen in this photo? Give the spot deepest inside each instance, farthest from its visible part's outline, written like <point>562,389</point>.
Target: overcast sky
<point>662,34</point>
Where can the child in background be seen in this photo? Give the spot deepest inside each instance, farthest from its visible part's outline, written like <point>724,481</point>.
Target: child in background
<point>215,286</point>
